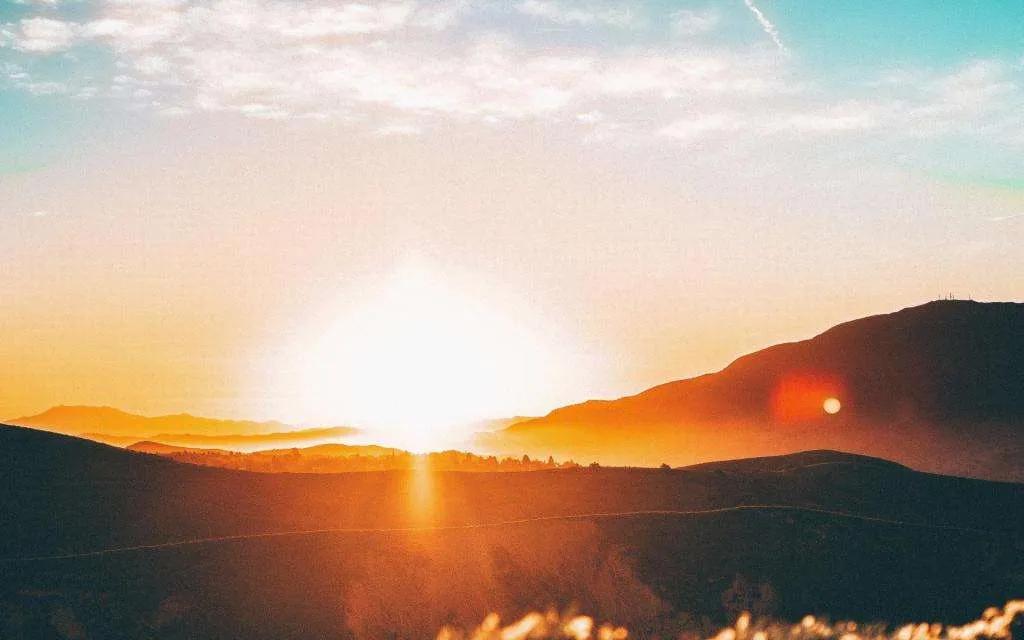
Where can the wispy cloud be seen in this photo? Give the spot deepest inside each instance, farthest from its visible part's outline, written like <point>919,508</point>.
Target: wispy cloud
<point>383,63</point>
<point>1006,218</point>
<point>766,24</point>
<point>831,120</point>
<point>44,35</point>
<point>689,22</point>
<point>623,17</point>
<point>18,78</point>
<point>393,67</point>
<point>702,125</point>
<point>398,130</point>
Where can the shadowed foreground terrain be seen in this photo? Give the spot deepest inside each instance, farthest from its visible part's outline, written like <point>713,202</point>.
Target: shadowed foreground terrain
<point>816,532</point>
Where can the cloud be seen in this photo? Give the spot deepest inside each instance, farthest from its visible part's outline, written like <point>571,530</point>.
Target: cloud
<point>622,17</point>
<point>830,120</point>
<point>982,98</point>
<point>18,78</point>
<point>38,213</point>
<point>45,88</point>
<point>1006,218</point>
<point>851,116</point>
<point>323,22</point>
<point>44,35</point>
<point>146,24</point>
<point>440,14</point>
<point>766,24</point>
<point>395,67</point>
<point>701,125</point>
<point>982,84</point>
<point>590,117</point>
<point>677,75</point>
<point>399,130</point>
<point>274,59</point>
<point>687,22</point>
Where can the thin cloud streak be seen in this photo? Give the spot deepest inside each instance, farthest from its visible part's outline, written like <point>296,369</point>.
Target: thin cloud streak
<point>767,25</point>
<point>1006,218</point>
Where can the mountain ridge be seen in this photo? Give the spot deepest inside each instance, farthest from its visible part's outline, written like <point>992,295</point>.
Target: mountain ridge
<point>114,421</point>
<point>114,426</point>
<point>944,377</point>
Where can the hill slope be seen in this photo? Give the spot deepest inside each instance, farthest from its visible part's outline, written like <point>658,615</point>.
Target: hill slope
<point>120,428</point>
<point>815,532</point>
<point>939,387</point>
<point>108,420</point>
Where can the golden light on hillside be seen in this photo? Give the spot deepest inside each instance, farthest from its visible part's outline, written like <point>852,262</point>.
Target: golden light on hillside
<point>801,396</point>
<point>422,498</point>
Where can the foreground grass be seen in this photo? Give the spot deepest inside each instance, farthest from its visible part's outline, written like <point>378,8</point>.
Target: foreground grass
<point>994,624</point>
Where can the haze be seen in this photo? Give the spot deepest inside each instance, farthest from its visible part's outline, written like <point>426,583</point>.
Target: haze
<point>199,201</point>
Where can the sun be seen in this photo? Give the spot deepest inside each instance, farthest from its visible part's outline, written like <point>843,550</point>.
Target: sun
<point>831,406</point>
<point>416,360</point>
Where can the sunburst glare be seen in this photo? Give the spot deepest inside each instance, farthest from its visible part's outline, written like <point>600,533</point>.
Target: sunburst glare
<point>417,361</point>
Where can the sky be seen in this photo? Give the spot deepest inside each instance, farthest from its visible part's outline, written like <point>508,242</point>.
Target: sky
<point>354,212</point>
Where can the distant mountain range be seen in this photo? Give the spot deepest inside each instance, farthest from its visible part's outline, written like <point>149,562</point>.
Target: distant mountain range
<point>120,428</point>
<point>939,387</point>
<point>325,450</point>
<point>115,422</point>
<point>212,553</point>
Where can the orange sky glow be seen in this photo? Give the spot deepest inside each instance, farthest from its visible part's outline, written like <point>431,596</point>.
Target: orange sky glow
<point>312,272</point>
<point>245,284</point>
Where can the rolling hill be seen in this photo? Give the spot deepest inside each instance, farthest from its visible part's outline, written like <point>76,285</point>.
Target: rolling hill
<point>939,387</point>
<point>320,450</point>
<point>117,544</point>
<point>119,428</point>
<point>110,421</point>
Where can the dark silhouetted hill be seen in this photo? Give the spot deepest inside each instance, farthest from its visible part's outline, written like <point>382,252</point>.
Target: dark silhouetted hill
<point>939,387</point>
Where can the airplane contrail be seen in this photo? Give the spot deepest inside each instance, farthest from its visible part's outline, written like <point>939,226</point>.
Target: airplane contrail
<point>767,25</point>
